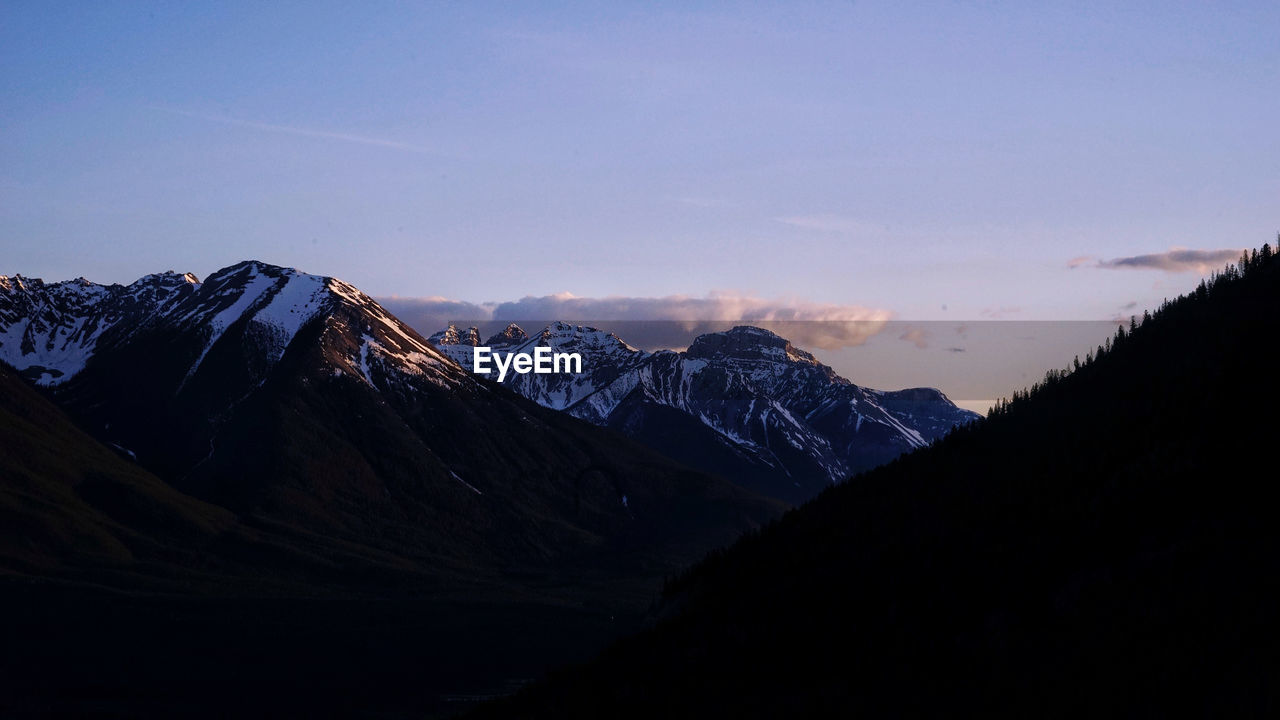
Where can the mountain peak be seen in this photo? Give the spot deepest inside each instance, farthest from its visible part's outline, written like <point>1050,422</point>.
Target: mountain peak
<point>253,267</point>
<point>747,342</point>
<point>50,331</point>
<point>560,327</point>
<point>168,278</point>
<point>567,335</point>
<point>19,282</point>
<point>511,335</point>
<point>453,336</point>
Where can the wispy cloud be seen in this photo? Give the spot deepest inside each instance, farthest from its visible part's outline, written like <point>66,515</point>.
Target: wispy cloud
<point>829,223</point>
<point>1177,260</point>
<point>299,131</point>
<point>818,325</point>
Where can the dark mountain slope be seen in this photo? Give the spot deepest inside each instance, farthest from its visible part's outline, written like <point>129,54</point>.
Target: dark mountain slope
<point>66,499</point>
<point>295,399</point>
<point>122,597</point>
<point>76,512</point>
<point>1103,545</point>
<point>325,517</point>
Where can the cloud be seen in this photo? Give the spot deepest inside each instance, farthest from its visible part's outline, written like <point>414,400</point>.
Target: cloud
<point>429,314</point>
<point>916,336</point>
<point>1176,260</point>
<point>808,324</point>
<point>830,223</point>
<point>820,325</point>
<point>955,349</point>
<point>1081,260</point>
<point>299,131</point>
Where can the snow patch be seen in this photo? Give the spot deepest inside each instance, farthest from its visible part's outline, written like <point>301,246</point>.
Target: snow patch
<point>293,305</point>
<point>253,290</point>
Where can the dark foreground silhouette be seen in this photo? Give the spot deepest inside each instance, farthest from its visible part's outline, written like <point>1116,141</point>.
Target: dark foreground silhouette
<point>1104,544</point>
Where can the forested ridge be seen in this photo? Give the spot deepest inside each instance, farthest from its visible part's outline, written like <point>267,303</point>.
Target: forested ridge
<point>1103,543</point>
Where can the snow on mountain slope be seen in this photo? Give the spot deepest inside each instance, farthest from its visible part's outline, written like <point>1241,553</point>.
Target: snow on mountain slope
<point>298,400</point>
<point>50,332</point>
<point>299,300</point>
<point>764,401</point>
<point>241,297</point>
<point>457,345</point>
<point>775,404</point>
<point>605,358</point>
<point>393,347</point>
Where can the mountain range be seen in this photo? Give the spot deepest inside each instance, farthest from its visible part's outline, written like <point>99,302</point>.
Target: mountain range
<point>267,432</point>
<point>272,392</point>
<point>130,361</point>
<point>264,433</point>
<point>261,494</point>
<point>745,403</point>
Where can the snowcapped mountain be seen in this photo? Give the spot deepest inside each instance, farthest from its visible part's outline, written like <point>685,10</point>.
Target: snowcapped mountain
<point>165,366</point>
<point>605,359</point>
<point>745,402</point>
<point>298,399</point>
<point>50,331</point>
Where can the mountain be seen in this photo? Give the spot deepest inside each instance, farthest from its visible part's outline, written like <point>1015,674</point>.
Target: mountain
<point>1103,544</point>
<point>123,597</point>
<point>80,511</point>
<point>745,403</point>
<point>296,398</point>
<point>51,330</point>
<point>67,498</point>
<point>264,481</point>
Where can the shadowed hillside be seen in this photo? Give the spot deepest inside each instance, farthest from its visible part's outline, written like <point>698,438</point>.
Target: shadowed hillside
<point>266,484</point>
<point>1105,543</point>
<point>67,499</point>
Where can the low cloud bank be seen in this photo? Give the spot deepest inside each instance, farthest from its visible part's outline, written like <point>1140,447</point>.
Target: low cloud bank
<point>808,324</point>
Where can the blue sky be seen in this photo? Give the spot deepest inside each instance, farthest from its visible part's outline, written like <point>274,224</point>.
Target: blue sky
<point>957,155</point>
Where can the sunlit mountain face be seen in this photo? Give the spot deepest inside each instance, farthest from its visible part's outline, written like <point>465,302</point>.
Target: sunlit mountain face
<point>744,403</point>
